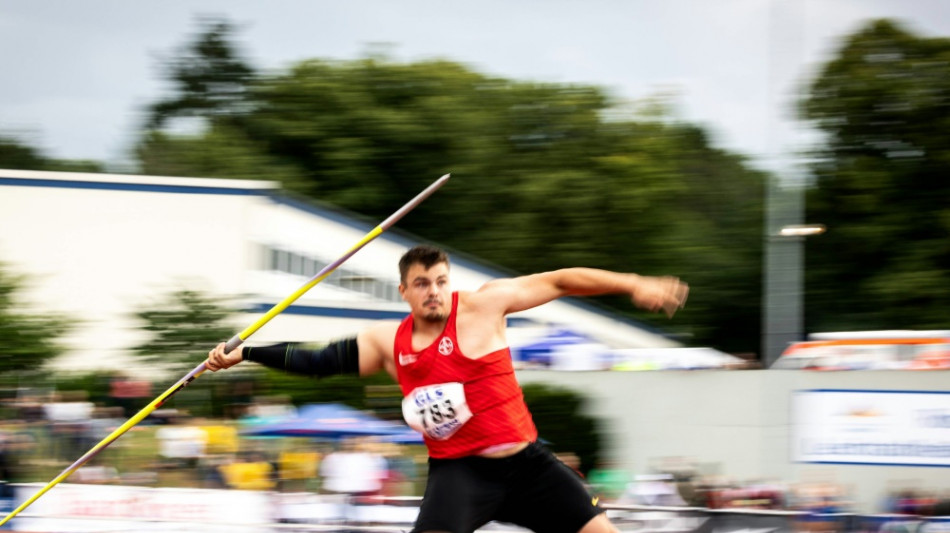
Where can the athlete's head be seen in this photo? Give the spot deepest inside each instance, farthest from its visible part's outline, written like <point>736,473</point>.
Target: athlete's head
<point>424,282</point>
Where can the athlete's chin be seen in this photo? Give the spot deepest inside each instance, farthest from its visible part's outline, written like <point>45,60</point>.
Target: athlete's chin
<point>434,316</point>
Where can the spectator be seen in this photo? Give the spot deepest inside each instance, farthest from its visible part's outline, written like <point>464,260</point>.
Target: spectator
<point>608,480</point>
<point>250,473</point>
<point>129,394</point>
<point>353,471</point>
<point>181,444</point>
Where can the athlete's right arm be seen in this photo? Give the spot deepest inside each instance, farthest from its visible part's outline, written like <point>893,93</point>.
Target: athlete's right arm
<point>376,348</point>
<point>367,353</point>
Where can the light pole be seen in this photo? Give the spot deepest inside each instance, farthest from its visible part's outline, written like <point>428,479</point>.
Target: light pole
<point>801,230</point>
<point>782,315</point>
<point>782,306</point>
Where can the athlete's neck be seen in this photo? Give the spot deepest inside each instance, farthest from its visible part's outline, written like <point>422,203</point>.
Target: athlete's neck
<point>426,327</point>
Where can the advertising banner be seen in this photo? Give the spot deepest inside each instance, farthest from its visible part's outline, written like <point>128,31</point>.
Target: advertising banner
<point>872,427</point>
<point>98,508</point>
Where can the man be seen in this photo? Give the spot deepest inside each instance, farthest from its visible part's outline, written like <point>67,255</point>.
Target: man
<point>452,361</point>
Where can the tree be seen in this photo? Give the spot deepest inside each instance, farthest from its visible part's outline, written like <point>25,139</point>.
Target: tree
<point>558,415</point>
<point>211,85</point>
<point>543,178</point>
<point>347,389</point>
<point>222,152</point>
<point>209,75</point>
<point>184,325</point>
<point>880,183</point>
<point>14,154</point>
<point>27,340</point>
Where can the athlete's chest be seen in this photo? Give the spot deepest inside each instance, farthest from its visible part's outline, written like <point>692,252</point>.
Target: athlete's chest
<point>422,341</point>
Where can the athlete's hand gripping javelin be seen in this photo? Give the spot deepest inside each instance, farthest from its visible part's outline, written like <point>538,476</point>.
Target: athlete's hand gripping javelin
<point>219,360</point>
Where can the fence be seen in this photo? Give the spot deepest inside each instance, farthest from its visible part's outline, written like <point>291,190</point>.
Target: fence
<point>109,508</point>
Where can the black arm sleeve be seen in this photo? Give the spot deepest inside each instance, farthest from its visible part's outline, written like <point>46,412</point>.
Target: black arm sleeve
<point>338,357</point>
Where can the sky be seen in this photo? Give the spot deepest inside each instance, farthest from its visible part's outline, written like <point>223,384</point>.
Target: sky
<point>75,76</point>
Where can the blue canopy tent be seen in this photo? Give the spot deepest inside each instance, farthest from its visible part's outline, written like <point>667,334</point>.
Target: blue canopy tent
<point>335,421</point>
<point>559,347</point>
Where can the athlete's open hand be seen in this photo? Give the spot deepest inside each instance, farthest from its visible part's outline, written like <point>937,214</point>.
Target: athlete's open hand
<point>218,360</point>
<point>664,293</point>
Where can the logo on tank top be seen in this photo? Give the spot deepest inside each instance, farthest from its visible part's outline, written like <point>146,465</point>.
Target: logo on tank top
<point>446,346</point>
<point>407,358</point>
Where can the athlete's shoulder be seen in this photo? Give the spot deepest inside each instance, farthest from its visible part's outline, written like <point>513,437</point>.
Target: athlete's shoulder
<point>466,298</point>
<point>493,287</point>
<point>383,328</point>
<point>376,346</point>
<point>381,334</point>
<point>493,296</point>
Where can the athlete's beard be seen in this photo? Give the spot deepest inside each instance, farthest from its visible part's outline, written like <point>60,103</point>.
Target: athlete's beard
<point>434,317</point>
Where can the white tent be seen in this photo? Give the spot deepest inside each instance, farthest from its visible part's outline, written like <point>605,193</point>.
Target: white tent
<point>673,359</point>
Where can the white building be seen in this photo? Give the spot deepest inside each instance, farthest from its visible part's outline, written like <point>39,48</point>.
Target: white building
<point>98,247</point>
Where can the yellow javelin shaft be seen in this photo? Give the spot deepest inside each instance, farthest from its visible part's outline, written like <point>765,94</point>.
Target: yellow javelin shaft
<point>236,340</point>
<point>118,432</point>
<point>285,303</point>
<point>233,343</point>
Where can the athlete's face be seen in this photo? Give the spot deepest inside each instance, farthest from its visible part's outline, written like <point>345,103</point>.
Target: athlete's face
<point>427,291</point>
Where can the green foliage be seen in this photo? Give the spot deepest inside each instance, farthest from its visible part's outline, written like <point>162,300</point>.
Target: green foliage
<point>183,326</point>
<point>881,183</point>
<point>27,340</point>
<point>545,175</point>
<point>221,153</point>
<point>95,385</point>
<point>209,76</point>
<point>558,414</point>
<point>349,390</point>
<point>14,154</point>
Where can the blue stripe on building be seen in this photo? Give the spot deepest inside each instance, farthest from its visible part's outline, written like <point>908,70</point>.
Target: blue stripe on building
<point>348,312</point>
<point>307,205</point>
<point>136,187</point>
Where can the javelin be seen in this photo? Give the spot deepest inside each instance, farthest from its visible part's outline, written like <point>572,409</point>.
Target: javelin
<point>233,343</point>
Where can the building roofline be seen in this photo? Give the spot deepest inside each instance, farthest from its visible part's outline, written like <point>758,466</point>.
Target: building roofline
<point>273,191</point>
<point>90,180</point>
<point>461,259</point>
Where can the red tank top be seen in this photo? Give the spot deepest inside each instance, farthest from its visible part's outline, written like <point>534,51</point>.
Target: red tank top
<point>499,414</point>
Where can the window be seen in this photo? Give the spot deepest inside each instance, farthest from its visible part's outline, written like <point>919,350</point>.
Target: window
<point>301,265</point>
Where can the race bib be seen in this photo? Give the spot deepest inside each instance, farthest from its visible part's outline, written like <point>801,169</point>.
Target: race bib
<point>437,410</point>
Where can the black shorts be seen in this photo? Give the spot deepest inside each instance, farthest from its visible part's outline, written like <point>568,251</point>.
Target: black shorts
<point>532,489</point>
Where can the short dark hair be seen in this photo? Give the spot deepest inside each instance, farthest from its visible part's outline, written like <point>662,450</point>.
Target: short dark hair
<point>423,254</point>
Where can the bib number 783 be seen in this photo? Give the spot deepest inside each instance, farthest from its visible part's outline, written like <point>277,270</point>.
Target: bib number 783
<point>434,411</point>
<point>437,410</point>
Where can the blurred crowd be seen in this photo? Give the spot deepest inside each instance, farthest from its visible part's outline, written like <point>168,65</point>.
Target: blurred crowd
<point>678,483</point>
<point>47,432</point>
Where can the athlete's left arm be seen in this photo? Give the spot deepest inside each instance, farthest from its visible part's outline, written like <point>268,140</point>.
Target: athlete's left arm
<point>652,293</point>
